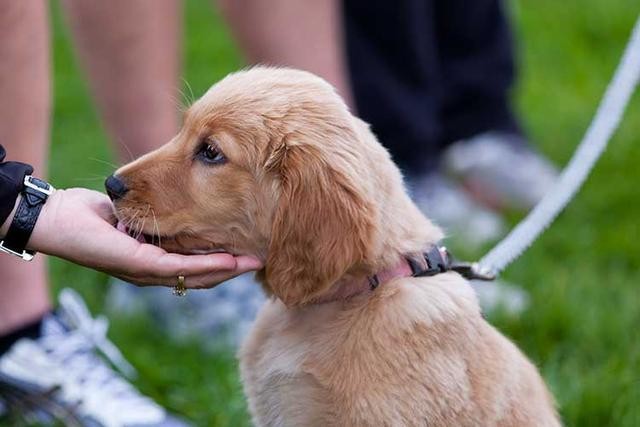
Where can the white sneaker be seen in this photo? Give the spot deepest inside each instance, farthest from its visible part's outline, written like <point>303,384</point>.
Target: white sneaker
<point>63,367</point>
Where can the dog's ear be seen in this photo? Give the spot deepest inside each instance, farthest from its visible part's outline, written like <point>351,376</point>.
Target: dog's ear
<point>321,227</point>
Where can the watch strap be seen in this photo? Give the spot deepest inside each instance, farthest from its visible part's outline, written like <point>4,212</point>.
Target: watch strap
<point>34,195</point>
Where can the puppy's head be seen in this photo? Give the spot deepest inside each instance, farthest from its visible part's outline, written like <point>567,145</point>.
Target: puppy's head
<point>269,162</point>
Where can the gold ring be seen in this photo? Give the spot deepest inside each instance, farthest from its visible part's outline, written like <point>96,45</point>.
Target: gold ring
<point>180,290</point>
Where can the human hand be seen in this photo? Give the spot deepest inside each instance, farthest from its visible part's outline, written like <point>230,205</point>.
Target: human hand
<point>78,225</point>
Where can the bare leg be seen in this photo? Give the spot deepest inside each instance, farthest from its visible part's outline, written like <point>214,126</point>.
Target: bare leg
<point>24,132</point>
<point>301,34</point>
<point>130,49</point>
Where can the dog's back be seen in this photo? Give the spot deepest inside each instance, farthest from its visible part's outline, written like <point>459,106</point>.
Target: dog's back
<point>417,352</point>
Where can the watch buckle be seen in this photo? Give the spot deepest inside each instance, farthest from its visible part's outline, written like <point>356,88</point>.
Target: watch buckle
<point>26,256</point>
<point>28,183</point>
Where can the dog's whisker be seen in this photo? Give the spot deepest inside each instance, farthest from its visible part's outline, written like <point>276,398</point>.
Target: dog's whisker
<point>143,222</point>
<point>156,228</point>
<point>180,103</point>
<point>139,227</point>
<point>192,98</point>
<point>128,224</point>
<point>104,162</point>
<point>126,147</point>
<point>132,223</point>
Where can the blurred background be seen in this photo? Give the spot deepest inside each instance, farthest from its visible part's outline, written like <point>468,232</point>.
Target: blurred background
<point>582,277</point>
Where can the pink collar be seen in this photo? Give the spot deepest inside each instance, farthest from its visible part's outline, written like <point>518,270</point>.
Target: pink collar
<point>343,289</point>
<point>434,261</point>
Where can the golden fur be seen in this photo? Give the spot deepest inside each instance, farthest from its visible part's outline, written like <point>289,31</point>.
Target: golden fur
<point>308,189</point>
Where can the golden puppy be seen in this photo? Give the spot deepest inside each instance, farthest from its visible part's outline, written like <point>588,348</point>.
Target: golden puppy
<point>271,163</point>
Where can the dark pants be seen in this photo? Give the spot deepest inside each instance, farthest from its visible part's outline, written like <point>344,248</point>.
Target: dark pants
<point>429,72</point>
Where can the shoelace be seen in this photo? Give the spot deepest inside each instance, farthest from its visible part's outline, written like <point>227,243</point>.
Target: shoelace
<point>77,349</point>
<point>94,330</point>
<point>85,367</point>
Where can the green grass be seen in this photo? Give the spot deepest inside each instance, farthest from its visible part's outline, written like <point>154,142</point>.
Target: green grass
<point>583,274</point>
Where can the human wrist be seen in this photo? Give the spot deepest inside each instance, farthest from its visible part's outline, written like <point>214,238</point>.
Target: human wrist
<point>41,238</point>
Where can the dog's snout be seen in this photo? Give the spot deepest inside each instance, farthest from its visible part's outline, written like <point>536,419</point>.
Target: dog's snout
<point>116,188</point>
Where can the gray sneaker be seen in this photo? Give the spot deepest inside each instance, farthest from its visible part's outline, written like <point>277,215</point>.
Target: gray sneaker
<point>450,207</point>
<point>64,375</point>
<point>223,315</point>
<point>501,170</point>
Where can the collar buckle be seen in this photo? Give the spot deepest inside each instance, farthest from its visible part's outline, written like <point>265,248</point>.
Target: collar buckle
<point>438,260</point>
<point>435,261</point>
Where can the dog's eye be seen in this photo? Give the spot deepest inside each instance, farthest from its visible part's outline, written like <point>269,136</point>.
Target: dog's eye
<point>210,153</point>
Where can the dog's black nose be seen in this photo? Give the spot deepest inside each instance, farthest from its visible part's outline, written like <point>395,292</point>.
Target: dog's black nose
<point>116,187</point>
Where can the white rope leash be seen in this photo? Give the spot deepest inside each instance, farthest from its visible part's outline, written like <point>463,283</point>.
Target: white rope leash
<point>606,121</point>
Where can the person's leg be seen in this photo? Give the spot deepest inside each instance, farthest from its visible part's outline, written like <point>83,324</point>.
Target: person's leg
<point>398,83</point>
<point>396,76</point>
<point>24,132</point>
<point>300,34</point>
<point>130,49</point>
<point>478,67</point>
<point>491,156</point>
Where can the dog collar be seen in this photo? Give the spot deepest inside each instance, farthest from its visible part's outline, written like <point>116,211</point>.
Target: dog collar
<point>436,260</point>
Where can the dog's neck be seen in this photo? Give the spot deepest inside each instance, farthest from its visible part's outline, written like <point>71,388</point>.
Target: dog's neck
<point>404,235</point>
<point>403,231</point>
<point>432,261</point>
<point>350,287</point>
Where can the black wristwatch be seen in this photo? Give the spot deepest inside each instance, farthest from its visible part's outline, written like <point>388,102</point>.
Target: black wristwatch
<point>34,194</point>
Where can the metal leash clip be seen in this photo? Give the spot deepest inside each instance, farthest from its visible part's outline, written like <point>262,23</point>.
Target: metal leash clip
<point>472,271</point>
<point>468,270</point>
